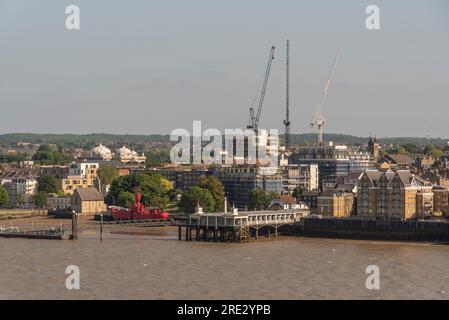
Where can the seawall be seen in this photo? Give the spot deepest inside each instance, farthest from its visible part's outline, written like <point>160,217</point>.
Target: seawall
<point>390,230</point>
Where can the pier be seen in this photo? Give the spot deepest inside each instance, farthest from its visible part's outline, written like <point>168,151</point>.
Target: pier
<point>235,226</point>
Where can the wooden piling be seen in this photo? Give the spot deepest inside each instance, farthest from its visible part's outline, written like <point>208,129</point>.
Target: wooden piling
<point>101,227</point>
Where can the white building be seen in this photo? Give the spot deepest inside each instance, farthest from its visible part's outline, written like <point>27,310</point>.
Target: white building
<point>102,152</point>
<point>20,185</point>
<point>83,168</point>
<point>126,155</point>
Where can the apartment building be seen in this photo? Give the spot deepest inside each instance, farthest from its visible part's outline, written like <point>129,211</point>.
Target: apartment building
<point>334,160</point>
<point>441,199</point>
<point>81,174</point>
<point>335,203</point>
<point>393,195</point>
<point>300,175</point>
<point>21,185</point>
<point>239,181</point>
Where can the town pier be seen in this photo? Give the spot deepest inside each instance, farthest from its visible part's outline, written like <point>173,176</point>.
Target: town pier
<point>235,226</point>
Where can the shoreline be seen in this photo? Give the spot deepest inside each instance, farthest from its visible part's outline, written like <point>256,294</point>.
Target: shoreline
<point>88,226</point>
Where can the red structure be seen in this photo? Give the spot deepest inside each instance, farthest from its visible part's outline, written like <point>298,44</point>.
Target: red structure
<point>138,212</point>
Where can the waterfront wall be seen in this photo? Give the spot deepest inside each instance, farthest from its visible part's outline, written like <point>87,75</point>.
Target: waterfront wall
<point>373,229</point>
<point>7,214</point>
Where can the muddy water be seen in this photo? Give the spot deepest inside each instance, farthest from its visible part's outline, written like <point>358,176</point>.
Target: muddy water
<point>158,266</point>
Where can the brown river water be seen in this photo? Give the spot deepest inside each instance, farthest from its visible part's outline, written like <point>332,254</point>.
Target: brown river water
<point>158,266</point>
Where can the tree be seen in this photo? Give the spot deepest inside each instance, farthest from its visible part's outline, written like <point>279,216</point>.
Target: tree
<point>260,199</point>
<point>437,153</point>
<point>215,187</point>
<point>4,198</point>
<point>194,196</point>
<point>402,151</point>
<point>46,154</point>
<point>20,198</point>
<point>168,186</point>
<point>40,199</point>
<point>47,184</point>
<point>298,191</point>
<point>433,151</point>
<point>156,158</point>
<point>126,199</point>
<point>412,148</point>
<point>154,188</point>
<point>107,174</point>
<point>151,200</point>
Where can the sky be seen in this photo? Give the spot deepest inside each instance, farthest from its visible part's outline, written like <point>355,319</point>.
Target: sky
<point>148,67</point>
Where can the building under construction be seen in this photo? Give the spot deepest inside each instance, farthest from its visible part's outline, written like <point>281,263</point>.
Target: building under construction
<point>239,181</point>
<point>334,160</point>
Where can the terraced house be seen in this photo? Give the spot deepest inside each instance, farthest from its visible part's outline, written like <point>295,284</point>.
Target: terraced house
<point>393,195</point>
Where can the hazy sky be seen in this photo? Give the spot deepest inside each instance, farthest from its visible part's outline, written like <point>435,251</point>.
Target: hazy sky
<point>153,66</point>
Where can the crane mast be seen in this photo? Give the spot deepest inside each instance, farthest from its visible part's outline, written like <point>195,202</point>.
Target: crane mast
<point>255,116</point>
<point>318,118</point>
<point>287,101</point>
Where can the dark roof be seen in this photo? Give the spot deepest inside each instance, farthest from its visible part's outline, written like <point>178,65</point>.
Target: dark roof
<point>398,159</point>
<point>89,194</point>
<point>334,192</point>
<point>113,163</point>
<point>312,193</point>
<point>20,173</point>
<point>405,176</point>
<point>345,187</point>
<point>373,175</point>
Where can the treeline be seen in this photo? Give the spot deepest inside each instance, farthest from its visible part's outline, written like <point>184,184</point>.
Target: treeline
<point>79,140</point>
<point>90,140</point>
<point>413,149</point>
<point>310,138</point>
<point>13,157</point>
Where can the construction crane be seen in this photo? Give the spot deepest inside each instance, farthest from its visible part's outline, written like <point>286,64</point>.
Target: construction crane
<point>318,118</point>
<point>255,117</point>
<point>287,101</point>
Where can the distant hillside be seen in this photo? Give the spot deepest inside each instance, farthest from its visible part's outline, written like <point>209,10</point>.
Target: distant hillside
<point>309,138</point>
<point>77,140</point>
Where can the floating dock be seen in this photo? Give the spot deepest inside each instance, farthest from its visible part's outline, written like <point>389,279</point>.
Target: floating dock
<point>235,226</point>
<point>46,234</point>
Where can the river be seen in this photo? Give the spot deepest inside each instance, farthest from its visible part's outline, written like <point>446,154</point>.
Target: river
<point>158,266</point>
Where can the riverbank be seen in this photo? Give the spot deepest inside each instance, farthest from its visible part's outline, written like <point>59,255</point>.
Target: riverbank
<point>12,214</point>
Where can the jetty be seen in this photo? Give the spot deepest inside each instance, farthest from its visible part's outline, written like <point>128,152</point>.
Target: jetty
<point>236,226</point>
<point>47,233</point>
